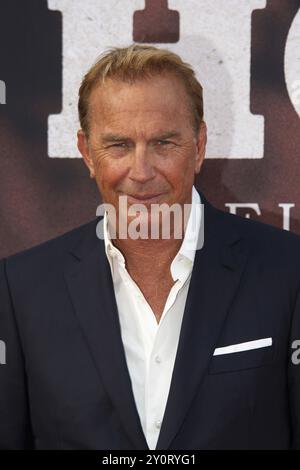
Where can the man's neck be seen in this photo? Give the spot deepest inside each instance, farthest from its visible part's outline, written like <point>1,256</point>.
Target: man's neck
<point>148,256</point>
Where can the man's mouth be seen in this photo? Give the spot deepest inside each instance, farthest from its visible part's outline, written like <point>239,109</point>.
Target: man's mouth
<point>143,198</point>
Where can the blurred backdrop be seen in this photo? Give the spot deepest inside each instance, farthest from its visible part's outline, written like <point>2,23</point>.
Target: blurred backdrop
<point>246,54</point>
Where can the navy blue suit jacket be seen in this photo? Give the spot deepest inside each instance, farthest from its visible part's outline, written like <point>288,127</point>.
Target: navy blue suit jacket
<point>65,384</point>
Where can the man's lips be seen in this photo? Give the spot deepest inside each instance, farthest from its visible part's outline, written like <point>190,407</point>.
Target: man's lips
<point>142,197</point>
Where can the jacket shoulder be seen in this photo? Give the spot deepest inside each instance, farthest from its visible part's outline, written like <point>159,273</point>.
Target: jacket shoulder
<point>51,251</point>
<point>257,230</point>
<point>273,246</point>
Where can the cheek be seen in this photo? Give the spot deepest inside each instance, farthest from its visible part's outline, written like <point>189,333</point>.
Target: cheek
<point>180,169</point>
<point>109,172</point>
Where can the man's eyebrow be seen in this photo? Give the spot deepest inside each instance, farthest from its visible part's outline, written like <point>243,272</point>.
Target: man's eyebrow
<point>167,135</point>
<point>106,138</point>
<point>113,138</point>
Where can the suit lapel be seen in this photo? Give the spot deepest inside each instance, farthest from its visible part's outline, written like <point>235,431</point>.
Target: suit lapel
<point>91,289</point>
<point>215,279</point>
<point>216,275</point>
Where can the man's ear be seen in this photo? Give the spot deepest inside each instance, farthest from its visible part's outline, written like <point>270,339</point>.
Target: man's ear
<point>201,145</point>
<point>84,149</point>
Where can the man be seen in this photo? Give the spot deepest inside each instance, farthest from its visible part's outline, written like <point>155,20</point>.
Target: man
<point>160,343</point>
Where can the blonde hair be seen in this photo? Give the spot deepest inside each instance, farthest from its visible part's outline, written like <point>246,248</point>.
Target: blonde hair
<point>137,62</point>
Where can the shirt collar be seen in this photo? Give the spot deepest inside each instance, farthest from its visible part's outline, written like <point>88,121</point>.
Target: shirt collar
<point>183,261</point>
<point>110,249</point>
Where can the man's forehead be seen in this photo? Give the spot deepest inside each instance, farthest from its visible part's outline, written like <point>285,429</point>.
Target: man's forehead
<point>115,91</point>
<point>147,107</point>
<point>148,122</point>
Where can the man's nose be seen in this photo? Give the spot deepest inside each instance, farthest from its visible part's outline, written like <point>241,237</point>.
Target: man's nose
<point>141,168</point>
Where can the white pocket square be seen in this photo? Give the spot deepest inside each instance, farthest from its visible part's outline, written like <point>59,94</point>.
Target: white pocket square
<point>233,348</point>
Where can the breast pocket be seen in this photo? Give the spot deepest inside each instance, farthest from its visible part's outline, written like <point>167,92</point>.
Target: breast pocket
<point>242,356</point>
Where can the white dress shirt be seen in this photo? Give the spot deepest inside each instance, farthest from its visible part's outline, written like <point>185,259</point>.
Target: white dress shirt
<point>150,347</point>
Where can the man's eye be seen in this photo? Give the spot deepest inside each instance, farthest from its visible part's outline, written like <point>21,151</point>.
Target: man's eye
<point>163,142</point>
<point>120,145</point>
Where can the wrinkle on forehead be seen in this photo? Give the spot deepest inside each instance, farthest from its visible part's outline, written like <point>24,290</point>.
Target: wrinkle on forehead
<point>159,98</point>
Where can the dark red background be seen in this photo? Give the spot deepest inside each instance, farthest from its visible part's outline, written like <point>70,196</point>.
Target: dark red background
<point>41,197</point>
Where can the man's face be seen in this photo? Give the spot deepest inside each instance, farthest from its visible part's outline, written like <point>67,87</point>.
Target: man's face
<point>142,143</point>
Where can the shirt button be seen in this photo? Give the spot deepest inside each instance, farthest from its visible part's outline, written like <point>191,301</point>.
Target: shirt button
<point>157,359</point>
<point>158,424</point>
